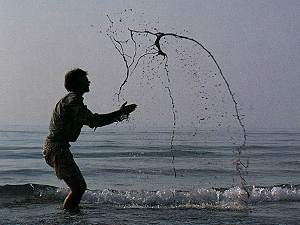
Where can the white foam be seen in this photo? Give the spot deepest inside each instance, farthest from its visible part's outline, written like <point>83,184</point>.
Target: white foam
<point>234,197</point>
<point>274,194</point>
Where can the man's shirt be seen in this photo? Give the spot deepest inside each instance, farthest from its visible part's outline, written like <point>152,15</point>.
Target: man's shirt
<point>69,116</point>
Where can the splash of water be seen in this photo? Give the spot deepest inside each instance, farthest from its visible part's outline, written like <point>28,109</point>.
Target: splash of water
<point>131,63</point>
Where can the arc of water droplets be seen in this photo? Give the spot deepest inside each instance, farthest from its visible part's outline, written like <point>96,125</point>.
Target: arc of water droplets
<point>240,165</point>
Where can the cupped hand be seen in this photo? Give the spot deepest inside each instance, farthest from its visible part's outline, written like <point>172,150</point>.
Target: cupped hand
<point>126,109</point>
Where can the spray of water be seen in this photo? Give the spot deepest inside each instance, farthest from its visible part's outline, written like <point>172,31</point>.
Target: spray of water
<point>132,61</point>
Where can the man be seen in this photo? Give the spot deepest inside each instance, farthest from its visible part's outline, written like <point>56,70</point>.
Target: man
<point>69,116</point>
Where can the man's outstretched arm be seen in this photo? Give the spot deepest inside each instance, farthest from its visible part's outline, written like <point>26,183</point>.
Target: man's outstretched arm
<point>99,120</point>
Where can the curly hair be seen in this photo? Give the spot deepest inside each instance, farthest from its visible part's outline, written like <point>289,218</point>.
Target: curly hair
<point>73,79</point>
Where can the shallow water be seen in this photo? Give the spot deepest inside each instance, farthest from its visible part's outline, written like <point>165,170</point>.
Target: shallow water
<point>131,181</point>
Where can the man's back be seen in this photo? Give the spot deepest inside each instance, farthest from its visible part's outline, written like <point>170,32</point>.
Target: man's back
<point>69,115</point>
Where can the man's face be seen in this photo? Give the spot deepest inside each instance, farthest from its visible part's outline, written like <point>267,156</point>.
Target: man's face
<point>85,84</point>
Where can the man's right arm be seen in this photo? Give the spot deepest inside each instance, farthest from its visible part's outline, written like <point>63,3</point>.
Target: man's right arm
<point>94,120</point>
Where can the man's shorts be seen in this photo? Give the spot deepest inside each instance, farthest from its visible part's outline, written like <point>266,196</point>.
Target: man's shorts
<point>59,157</point>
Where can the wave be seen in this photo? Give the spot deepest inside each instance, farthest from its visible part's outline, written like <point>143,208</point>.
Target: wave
<point>217,198</point>
<point>164,171</point>
<point>11,148</point>
<point>177,153</point>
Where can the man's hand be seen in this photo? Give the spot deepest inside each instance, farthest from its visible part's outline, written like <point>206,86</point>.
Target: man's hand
<point>125,110</point>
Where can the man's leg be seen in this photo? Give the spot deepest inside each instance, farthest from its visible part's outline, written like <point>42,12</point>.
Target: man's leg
<point>78,186</point>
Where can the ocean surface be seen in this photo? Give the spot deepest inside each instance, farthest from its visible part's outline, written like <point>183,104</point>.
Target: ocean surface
<point>130,177</point>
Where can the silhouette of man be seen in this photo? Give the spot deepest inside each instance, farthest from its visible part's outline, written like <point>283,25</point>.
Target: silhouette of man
<point>69,116</point>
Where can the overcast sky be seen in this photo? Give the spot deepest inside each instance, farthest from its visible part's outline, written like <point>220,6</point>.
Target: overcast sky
<point>257,44</point>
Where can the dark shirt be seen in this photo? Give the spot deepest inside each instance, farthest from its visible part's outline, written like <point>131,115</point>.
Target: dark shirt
<point>69,116</point>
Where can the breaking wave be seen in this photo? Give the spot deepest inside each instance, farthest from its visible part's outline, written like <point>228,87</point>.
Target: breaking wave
<point>216,198</point>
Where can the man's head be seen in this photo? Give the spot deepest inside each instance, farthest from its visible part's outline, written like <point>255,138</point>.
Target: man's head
<point>76,80</point>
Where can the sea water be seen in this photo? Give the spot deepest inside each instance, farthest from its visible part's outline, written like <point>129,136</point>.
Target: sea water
<point>130,177</point>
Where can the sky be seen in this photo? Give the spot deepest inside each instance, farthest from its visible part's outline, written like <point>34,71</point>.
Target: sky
<point>256,43</point>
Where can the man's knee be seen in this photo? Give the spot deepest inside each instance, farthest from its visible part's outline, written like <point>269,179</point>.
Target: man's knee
<point>83,187</point>
<point>77,184</point>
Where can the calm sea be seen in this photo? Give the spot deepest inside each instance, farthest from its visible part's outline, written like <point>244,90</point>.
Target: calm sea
<point>130,176</point>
